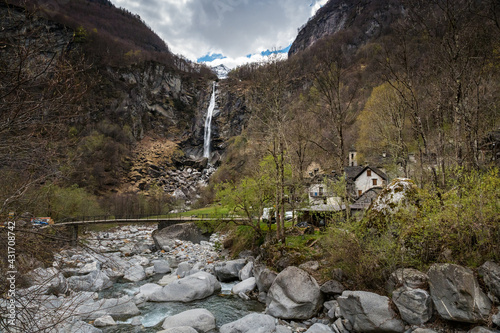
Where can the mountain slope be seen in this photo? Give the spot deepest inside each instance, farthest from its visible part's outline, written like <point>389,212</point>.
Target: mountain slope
<point>360,19</point>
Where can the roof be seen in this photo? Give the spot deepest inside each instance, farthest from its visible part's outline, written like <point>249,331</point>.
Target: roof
<point>323,208</point>
<point>354,172</point>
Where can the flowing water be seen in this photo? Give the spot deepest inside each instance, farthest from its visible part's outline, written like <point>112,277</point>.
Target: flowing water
<point>208,125</point>
<point>224,306</point>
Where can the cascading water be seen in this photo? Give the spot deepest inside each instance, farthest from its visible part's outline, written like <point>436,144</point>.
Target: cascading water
<point>208,125</point>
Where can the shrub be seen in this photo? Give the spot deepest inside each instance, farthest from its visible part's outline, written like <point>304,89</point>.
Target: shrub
<point>460,226</point>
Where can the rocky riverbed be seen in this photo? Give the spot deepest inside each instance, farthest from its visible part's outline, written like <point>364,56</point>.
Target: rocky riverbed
<point>136,279</point>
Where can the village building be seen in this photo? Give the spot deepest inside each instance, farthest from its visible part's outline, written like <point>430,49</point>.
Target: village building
<point>364,183</point>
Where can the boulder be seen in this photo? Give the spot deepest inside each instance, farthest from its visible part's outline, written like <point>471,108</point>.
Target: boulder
<point>183,269</point>
<point>151,292</point>
<point>294,294</point>
<point>414,305</point>
<point>332,288</point>
<point>369,312</point>
<point>118,308</point>
<point>319,328</point>
<point>76,325</point>
<point>490,272</point>
<point>94,281</point>
<point>104,321</point>
<point>244,286</point>
<point>90,267</point>
<point>229,270</point>
<point>50,281</point>
<point>482,329</point>
<point>457,295</point>
<point>161,266</point>
<point>185,231</point>
<point>181,329</point>
<point>264,277</point>
<point>406,277</point>
<point>166,279</point>
<point>246,272</point>
<point>200,319</point>
<point>197,286</point>
<point>135,273</point>
<point>254,322</point>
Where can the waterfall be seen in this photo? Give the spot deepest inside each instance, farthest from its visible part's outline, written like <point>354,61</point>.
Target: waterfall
<point>208,125</point>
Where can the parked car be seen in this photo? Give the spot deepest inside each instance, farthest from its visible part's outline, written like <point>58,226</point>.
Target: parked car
<point>39,223</point>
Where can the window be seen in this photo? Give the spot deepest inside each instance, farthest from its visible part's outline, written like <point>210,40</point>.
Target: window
<point>320,191</point>
<point>374,182</point>
<point>359,193</point>
<point>369,173</point>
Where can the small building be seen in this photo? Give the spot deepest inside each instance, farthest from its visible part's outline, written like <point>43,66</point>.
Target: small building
<point>360,179</point>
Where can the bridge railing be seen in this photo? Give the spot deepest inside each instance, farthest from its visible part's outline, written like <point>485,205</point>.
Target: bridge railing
<point>146,218</point>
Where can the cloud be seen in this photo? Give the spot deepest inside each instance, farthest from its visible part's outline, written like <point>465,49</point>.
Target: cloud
<point>232,28</point>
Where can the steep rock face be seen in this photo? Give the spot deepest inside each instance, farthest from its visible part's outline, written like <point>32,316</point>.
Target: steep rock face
<point>229,118</point>
<point>366,18</point>
<point>151,97</point>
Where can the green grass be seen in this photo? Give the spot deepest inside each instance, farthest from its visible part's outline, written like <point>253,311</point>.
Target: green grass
<point>211,211</point>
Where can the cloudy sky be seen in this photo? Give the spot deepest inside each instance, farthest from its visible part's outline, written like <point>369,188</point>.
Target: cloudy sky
<point>231,32</point>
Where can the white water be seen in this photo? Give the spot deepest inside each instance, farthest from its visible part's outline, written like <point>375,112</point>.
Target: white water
<point>208,125</point>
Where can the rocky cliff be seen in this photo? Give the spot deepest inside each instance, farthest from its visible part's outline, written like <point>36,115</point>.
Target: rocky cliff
<point>134,123</point>
<point>363,19</point>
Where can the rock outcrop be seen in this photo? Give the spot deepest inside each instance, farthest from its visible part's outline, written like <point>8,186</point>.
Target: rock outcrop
<point>367,19</point>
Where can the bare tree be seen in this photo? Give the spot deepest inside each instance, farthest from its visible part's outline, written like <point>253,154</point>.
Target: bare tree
<point>41,81</point>
<point>269,100</point>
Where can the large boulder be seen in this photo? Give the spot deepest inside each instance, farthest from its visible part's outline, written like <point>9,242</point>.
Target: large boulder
<point>50,281</point>
<point>197,286</point>
<point>161,266</point>
<point>184,231</point>
<point>118,308</point>
<point>457,294</point>
<point>94,281</point>
<point>135,273</point>
<point>254,323</point>
<point>490,272</point>
<point>200,319</point>
<point>246,272</point>
<point>244,286</point>
<point>264,277</point>
<point>183,269</point>
<point>414,305</point>
<point>369,312</point>
<point>229,270</point>
<point>406,277</point>
<point>294,294</point>
<point>150,292</point>
<point>104,321</point>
